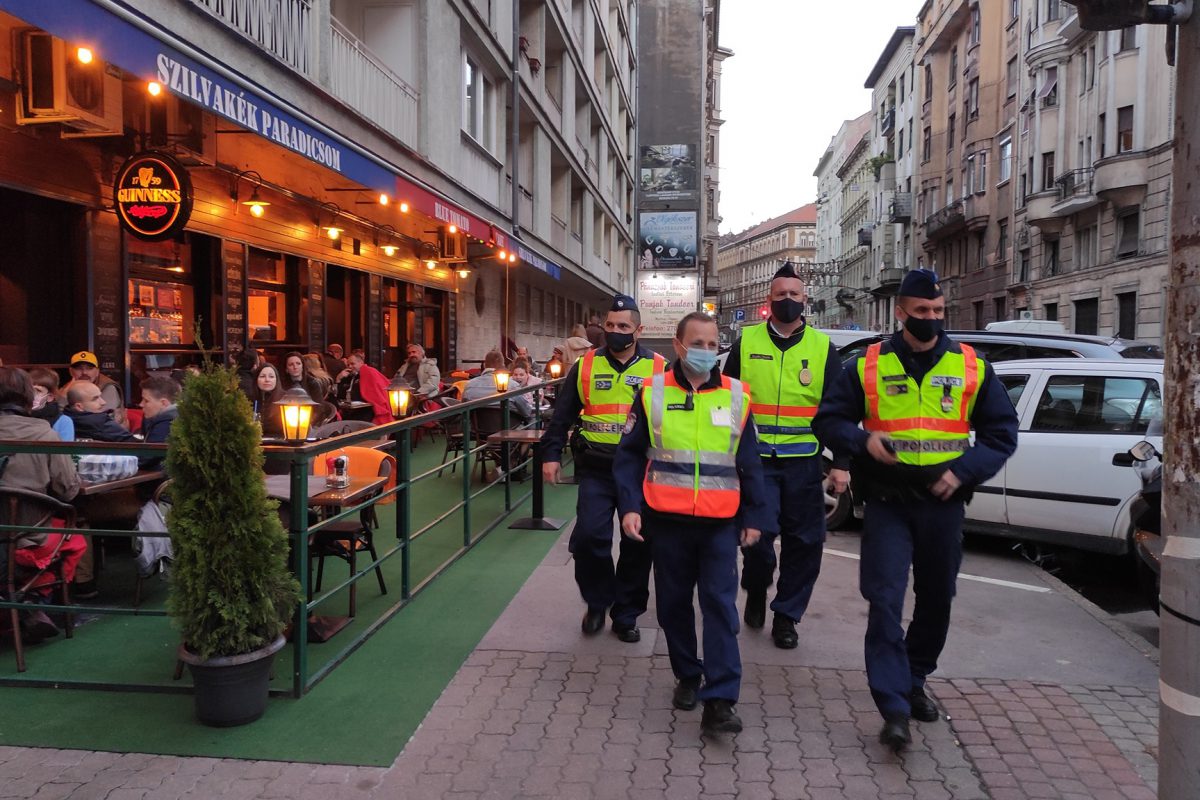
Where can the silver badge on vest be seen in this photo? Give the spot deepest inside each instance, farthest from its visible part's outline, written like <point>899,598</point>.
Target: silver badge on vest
<point>805,373</point>
<point>897,388</point>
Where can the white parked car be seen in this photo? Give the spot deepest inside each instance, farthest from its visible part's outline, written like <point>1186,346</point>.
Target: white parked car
<point>1071,481</point>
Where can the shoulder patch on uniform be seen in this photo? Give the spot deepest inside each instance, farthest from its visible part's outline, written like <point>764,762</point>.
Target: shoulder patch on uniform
<point>603,384</point>
<point>634,380</point>
<point>761,357</point>
<point>889,378</point>
<point>897,388</point>
<point>945,380</point>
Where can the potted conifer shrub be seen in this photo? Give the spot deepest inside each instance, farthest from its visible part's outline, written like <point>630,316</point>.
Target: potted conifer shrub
<point>231,593</point>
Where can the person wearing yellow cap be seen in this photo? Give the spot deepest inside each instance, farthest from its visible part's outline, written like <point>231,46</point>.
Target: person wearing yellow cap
<point>86,367</point>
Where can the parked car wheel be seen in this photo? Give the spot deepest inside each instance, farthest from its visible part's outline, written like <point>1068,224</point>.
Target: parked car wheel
<point>839,509</point>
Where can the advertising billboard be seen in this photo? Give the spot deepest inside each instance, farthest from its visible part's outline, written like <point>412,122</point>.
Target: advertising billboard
<point>667,240</point>
<point>664,300</point>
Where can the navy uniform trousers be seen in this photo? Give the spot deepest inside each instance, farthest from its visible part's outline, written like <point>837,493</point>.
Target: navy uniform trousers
<point>928,535</point>
<point>796,506</point>
<point>625,589</point>
<point>689,559</point>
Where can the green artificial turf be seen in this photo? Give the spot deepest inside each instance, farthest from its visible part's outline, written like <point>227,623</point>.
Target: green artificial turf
<point>362,713</point>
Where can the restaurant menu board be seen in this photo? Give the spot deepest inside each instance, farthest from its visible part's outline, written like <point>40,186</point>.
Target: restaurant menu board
<point>374,319</point>
<point>233,271</point>
<point>108,329</point>
<point>316,306</point>
<point>451,343</point>
<point>664,300</point>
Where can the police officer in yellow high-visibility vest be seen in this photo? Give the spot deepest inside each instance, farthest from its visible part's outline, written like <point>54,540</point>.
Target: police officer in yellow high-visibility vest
<point>689,481</point>
<point>918,395</point>
<point>597,395</point>
<point>787,365</point>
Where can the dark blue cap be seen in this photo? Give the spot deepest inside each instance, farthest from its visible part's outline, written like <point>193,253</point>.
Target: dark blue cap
<point>623,302</point>
<point>923,283</point>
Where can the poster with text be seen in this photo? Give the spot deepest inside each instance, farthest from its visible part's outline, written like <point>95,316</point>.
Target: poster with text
<point>667,240</point>
<point>668,172</point>
<point>664,300</point>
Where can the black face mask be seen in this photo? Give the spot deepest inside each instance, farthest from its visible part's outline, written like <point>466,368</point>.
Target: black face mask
<point>618,342</point>
<point>923,330</point>
<point>786,310</point>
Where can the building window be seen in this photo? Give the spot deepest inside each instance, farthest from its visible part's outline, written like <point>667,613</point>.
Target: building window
<point>1086,241</point>
<point>900,94</point>
<point>1092,71</point>
<point>927,145</point>
<point>1051,268</point>
<point>1053,10</point>
<point>1124,129</point>
<point>981,177</point>
<point>1014,10</point>
<point>973,99</point>
<point>1050,312</point>
<point>1047,171</point>
<point>1127,315</point>
<point>1013,77</point>
<point>1023,266</point>
<point>1001,312</point>
<point>977,307</point>
<point>950,134</point>
<point>1087,316</point>
<point>974,25</point>
<point>477,101</point>
<point>1083,73</point>
<point>953,67</point>
<point>1002,240</point>
<point>928,81</point>
<point>1049,92</point>
<point>1005,159</point>
<point>1128,232</point>
<point>981,249</point>
<point>949,192</point>
<point>1128,38</point>
<point>900,145</point>
<point>1100,123</point>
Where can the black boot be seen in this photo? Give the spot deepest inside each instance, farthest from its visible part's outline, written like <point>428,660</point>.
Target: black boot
<point>783,631</point>
<point>593,621</point>
<point>718,717</point>
<point>895,733</point>
<point>923,709</point>
<point>756,608</point>
<point>627,633</point>
<point>684,697</point>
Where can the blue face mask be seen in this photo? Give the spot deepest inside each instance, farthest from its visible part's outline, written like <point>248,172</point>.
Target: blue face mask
<point>700,361</point>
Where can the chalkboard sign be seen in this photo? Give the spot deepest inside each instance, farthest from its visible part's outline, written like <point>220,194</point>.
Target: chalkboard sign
<point>316,306</point>
<point>108,321</point>
<point>374,320</point>
<point>233,282</point>
<point>451,306</point>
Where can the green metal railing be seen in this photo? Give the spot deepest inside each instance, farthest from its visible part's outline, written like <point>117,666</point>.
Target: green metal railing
<point>299,460</point>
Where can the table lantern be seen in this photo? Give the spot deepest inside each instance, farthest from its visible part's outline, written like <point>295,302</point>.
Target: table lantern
<point>399,395</point>
<point>296,408</point>
<point>501,377</point>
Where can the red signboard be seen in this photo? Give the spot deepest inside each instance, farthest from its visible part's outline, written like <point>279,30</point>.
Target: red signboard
<point>153,196</point>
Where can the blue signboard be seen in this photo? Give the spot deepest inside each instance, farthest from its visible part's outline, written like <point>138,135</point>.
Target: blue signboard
<point>739,315</point>
<point>534,260</point>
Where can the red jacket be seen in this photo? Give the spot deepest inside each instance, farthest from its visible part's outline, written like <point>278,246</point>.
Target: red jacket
<point>373,386</point>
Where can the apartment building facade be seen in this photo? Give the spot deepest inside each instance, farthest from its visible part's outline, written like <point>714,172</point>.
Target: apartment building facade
<point>824,308</point>
<point>348,170</point>
<point>746,262</point>
<point>1095,171</point>
<point>894,109</point>
<point>852,298</point>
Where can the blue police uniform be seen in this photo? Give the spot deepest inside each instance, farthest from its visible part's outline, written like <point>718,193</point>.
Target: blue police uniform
<point>625,589</point>
<point>905,524</point>
<point>694,554</point>
<point>795,506</point>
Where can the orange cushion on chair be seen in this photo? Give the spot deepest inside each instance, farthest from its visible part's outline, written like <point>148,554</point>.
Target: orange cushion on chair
<point>365,462</point>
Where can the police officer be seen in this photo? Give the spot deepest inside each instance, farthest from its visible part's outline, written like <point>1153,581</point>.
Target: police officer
<point>787,365</point>
<point>918,395</point>
<point>598,394</point>
<point>689,481</point>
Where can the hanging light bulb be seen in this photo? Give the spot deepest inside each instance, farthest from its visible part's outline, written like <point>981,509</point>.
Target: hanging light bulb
<point>464,271</point>
<point>453,229</point>
<point>384,199</point>
<point>431,264</point>
<point>389,249</point>
<point>154,88</point>
<point>334,233</point>
<point>403,207</point>
<point>84,55</point>
<point>257,204</point>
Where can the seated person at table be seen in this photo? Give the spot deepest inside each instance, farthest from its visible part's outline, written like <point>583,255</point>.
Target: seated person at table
<point>421,373</point>
<point>316,371</point>
<point>484,384</point>
<point>295,373</point>
<point>522,405</point>
<point>245,361</point>
<point>91,415</point>
<point>86,367</point>
<point>523,354</point>
<point>158,412</point>
<point>334,363</point>
<point>45,406</point>
<point>267,391</point>
<point>360,382</point>
<point>39,472</point>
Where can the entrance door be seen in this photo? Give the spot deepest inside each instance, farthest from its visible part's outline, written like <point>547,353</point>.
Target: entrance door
<point>43,280</point>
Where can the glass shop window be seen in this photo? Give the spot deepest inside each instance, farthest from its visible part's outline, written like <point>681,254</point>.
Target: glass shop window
<point>267,297</point>
<point>161,297</point>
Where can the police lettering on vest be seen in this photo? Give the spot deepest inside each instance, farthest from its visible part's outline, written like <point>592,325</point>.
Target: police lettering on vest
<point>608,397</point>
<point>691,466</point>
<point>787,389</point>
<point>928,423</point>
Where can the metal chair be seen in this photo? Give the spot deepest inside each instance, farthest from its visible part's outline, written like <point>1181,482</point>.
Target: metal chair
<point>25,507</point>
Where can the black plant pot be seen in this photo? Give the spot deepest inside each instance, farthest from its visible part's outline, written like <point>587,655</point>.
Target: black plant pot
<point>231,690</point>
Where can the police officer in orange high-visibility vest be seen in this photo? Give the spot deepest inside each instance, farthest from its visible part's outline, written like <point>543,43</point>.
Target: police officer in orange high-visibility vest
<point>689,481</point>
<point>918,395</point>
<point>597,395</point>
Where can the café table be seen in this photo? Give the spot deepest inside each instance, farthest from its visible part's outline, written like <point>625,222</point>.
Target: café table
<point>90,489</point>
<point>530,436</point>
<point>322,627</point>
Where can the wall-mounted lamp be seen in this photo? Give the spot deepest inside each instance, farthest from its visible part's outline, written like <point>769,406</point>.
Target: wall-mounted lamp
<point>154,88</point>
<point>256,204</point>
<point>332,230</point>
<point>403,208</point>
<point>430,264</point>
<point>84,55</point>
<point>463,270</point>
<point>388,248</point>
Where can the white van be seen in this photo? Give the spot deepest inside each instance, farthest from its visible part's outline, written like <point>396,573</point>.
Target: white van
<point>1027,326</point>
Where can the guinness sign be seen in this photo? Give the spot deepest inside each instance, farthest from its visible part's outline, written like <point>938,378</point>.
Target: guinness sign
<point>153,196</point>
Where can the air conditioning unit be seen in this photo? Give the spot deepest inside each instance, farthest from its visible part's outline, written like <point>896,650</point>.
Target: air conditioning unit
<point>183,130</point>
<point>452,246</point>
<point>1026,315</point>
<point>59,88</point>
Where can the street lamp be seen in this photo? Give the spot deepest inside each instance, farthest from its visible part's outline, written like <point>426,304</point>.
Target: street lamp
<point>295,407</point>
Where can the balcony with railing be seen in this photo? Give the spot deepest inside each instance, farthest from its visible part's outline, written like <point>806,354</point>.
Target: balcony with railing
<point>1075,191</point>
<point>945,221</point>
<point>900,209</point>
<point>865,236</point>
<point>289,31</point>
<point>887,125</point>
